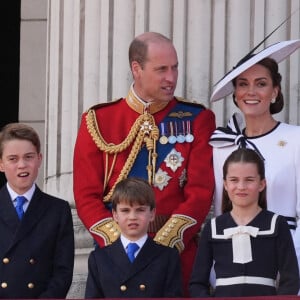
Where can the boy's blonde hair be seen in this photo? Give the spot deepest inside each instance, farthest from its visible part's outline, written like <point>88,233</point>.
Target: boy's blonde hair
<point>19,131</point>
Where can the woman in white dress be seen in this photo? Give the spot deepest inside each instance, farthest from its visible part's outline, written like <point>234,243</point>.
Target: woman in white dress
<point>256,87</point>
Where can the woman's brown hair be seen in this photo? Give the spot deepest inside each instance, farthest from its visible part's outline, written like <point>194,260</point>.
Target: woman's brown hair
<point>244,155</point>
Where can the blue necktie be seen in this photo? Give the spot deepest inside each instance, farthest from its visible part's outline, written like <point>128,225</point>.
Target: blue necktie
<point>131,249</point>
<point>19,207</point>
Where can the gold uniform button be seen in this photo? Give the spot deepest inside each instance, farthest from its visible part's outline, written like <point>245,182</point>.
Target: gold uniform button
<point>4,285</point>
<point>30,285</point>
<point>32,261</point>
<point>123,288</point>
<point>142,287</point>
<point>5,260</point>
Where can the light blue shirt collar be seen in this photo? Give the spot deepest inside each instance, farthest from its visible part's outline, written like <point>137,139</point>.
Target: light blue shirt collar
<point>140,242</point>
<point>28,194</point>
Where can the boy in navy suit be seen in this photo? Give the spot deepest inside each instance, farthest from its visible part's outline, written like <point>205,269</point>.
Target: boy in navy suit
<point>36,229</point>
<point>153,270</point>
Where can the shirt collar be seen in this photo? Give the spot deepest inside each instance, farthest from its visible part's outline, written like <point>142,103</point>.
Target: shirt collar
<point>140,241</point>
<point>28,194</point>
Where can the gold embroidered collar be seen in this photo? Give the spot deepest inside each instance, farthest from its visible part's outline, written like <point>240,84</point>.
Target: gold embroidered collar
<point>140,106</point>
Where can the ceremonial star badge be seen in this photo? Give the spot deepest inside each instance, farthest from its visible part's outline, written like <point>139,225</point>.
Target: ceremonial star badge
<point>161,179</point>
<point>174,160</point>
<point>146,127</point>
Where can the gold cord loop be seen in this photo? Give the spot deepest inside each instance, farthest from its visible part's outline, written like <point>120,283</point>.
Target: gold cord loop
<point>144,130</point>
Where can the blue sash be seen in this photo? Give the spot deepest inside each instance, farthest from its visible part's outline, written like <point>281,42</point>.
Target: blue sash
<point>140,164</point>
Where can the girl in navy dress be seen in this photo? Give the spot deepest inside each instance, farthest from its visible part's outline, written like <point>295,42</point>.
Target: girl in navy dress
<point>251,248</point>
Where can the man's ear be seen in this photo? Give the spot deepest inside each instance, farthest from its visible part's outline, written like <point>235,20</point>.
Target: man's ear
<point>135,69</point>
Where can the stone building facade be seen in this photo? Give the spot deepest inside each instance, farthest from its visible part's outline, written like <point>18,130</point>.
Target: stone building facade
<point>74,54</point>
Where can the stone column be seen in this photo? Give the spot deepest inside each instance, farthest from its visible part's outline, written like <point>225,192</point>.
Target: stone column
<point>87,63</point>
<point>63,109</point>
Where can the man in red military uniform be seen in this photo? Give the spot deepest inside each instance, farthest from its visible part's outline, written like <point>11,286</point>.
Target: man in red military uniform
<point>153,135</point>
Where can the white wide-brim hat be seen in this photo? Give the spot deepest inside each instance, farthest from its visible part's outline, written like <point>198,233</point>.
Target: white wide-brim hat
<point>278,52</point>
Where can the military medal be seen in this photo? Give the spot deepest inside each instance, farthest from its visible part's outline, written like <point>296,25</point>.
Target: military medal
<point>172,137</point>
<point>163,139</point>
<point>189,137</point>
<point>179,137</point>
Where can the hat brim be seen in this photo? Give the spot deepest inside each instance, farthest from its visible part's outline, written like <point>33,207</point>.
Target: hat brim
<point>278,52</point>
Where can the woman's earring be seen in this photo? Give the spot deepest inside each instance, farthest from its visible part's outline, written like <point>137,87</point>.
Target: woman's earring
<point>273,100</point>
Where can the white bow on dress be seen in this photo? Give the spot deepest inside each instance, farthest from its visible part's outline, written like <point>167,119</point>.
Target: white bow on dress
<point>241,243</point>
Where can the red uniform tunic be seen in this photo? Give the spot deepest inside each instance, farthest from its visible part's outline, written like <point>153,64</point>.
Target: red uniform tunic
<point>183,201</point>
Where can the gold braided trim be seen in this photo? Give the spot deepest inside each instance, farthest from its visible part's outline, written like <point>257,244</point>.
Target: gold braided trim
<point>127,166</point>
<point>110,148</point>
<point>171,234</point>
<point>144,130</point>
<point>107,228</point>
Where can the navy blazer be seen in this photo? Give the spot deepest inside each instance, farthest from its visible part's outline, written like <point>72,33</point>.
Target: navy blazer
<point>154,273</point>
<point>37,253</point>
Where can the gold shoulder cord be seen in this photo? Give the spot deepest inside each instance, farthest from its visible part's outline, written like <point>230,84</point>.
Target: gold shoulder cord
<point>144,130</point>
